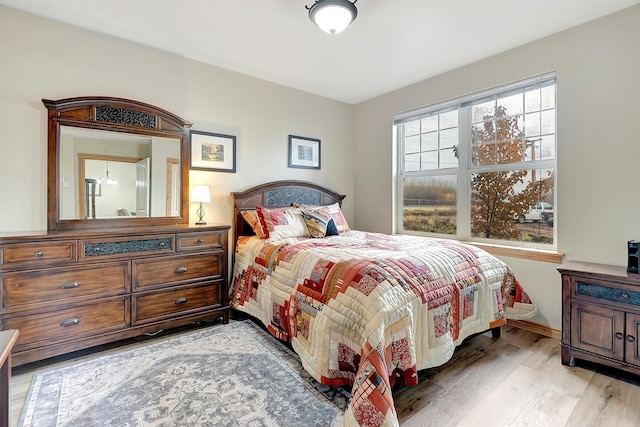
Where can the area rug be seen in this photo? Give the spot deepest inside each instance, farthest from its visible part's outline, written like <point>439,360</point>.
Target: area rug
<point>224,375</point>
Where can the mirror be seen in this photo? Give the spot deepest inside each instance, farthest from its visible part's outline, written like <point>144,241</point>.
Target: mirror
<point>115,162</point>
<point>133,175</point>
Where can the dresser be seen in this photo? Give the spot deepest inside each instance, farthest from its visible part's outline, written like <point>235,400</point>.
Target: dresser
<point>70,290</point>
<point>600,315</point>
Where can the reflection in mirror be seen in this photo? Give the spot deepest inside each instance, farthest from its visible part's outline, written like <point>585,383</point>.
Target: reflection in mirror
<point>117,175</point>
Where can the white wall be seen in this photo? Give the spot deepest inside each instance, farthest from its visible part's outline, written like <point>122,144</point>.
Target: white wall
<point>40,58</point>
<point>598,69</point>
<point>598,175</point>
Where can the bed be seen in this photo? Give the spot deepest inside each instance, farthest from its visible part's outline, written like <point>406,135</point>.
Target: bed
<point>365,310</point>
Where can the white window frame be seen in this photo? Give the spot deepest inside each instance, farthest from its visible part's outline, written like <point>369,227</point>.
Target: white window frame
<point>465,169</point>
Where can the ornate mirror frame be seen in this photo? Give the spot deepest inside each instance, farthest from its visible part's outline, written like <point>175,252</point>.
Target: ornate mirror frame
<point>115,115</point>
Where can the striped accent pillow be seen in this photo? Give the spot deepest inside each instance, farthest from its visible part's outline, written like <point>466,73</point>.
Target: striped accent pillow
<point>336,213</point>
<point>251,216</point>
<point>338,217</point>
<point>319,222</point>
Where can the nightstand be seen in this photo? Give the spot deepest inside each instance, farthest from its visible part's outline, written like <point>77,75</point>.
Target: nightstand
<point>600,315</point>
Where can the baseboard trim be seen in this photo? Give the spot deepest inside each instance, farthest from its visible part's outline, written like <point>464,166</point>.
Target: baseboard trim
<point>537,328</point>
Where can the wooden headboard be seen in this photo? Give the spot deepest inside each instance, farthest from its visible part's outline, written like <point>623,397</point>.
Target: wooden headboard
<point>278,194</point>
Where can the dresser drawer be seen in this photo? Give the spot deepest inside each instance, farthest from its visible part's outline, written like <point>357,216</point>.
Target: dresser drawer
<point>16,255</point>
<point>70,322</point>
<point>43,286</point>
<point>199,241</point>
<point>125,247</point>
<point>154,306</point>
<point>159,271</point>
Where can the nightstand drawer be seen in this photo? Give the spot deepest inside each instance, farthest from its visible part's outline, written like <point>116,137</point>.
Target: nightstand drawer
<point>154,306</point>
<point>70,322</point>
<point>161,271</point>
<point>43,286</point>
<point>199,241</point>
<point>36,254</point>
<point>595,290</point>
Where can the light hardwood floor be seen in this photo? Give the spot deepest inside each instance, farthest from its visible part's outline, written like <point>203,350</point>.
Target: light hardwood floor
<point>516,380</point>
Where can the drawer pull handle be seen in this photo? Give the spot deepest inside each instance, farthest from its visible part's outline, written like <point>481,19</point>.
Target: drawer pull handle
<point>619,335</point>
<point>181,301</point>
<point>162,244</point>
<point>181,270</point>
<point>70,322</point>
<point>200,241</point>
<point>631,338</point>
<point>70,285</point>
<point>38,254</point>
<point>624,295</point>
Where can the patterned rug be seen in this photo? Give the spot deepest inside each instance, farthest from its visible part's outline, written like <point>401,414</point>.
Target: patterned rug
<point>225,375</point>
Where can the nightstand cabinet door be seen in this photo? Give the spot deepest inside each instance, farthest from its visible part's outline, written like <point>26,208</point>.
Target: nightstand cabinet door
<point>599,330</point>
<point>632,354</point>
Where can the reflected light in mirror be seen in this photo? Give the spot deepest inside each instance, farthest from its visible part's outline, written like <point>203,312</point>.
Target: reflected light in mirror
<point>110,180</point>
<point>201,195</point>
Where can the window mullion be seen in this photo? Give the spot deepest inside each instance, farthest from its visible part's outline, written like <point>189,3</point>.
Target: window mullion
<point>464,160</point>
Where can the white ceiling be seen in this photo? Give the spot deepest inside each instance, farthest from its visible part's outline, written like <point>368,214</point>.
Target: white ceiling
<point>391,44</point>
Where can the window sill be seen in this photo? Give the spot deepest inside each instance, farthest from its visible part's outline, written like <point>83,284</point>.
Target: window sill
<point>524,253</point>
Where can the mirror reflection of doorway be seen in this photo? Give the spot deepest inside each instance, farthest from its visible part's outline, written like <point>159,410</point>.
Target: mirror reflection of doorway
<point>173,186</point>
<point>143,176</point>
<point>116,178</point>
<point>141,187</point>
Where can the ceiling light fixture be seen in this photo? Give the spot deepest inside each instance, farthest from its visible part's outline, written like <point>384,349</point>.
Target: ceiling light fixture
<point>109,180</point>
<point>333,16</point>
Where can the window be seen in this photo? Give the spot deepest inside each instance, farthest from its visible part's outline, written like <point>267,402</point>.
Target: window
<point>481,167</point>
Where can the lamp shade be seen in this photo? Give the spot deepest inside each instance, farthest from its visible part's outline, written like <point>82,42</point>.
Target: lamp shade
<point>201,194</point>
<point>333,16</point>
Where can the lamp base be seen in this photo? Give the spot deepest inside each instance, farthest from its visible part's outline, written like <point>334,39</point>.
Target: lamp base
<point>200,212</point>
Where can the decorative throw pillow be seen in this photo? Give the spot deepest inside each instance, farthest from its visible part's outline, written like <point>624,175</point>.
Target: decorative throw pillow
<point>319,222</point>
<point>338,217</point>
<point>251,216</point>
<point>336,213</point>
<point>282,223</point>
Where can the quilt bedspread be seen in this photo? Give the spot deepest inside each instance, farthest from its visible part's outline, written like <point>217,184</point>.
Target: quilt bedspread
<point>370,310</point>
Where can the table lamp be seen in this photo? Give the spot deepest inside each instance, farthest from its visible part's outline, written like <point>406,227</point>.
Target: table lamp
<point>201,195</point>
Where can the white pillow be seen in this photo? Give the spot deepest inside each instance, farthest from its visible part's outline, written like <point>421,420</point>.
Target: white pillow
<point>282,223</point>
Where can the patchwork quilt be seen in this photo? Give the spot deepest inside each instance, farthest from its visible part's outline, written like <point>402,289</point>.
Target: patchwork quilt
<point>369,310</point>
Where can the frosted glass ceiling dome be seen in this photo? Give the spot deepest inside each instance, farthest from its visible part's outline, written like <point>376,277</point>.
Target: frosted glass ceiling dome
<point>333,16</point>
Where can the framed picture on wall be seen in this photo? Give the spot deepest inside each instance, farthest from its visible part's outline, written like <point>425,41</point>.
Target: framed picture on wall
<point>304,152</point>
<point>212,151</point>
